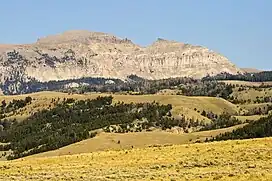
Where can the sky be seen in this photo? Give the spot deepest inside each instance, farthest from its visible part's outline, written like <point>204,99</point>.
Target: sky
<point>241,30</point>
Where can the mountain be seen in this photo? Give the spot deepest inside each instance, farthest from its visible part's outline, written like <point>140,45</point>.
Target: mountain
<point>251,70</point>
<point>79,53</point>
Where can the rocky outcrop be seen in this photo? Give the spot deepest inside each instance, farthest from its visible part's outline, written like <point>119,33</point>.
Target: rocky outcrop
<point>77,54</point>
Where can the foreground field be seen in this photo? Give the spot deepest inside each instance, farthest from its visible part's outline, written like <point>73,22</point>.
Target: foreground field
<point>230,160</point>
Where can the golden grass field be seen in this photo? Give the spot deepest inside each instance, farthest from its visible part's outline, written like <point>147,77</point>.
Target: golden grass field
<point>181,104</point>
<point>247,160</point>
<point>109,141</point>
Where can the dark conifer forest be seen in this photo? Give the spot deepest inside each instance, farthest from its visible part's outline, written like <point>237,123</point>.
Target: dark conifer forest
<point>256,129</point>
<point>252,77</point>
<point>72,121</point>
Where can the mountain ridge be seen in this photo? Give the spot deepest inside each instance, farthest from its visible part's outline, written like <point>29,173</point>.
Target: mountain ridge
<point>80,53</point>
<point>252,70</point>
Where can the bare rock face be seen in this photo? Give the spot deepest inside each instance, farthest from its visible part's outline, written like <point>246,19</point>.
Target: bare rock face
<point>251,70</point>
<point>77,54</point>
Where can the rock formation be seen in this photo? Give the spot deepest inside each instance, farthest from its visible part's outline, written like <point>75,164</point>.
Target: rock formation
<point>76,54</point>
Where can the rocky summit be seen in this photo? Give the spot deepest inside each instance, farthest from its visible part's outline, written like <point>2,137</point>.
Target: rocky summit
<point>77,54</point>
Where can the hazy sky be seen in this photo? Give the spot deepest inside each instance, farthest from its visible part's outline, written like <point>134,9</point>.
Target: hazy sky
<point>239,29</point>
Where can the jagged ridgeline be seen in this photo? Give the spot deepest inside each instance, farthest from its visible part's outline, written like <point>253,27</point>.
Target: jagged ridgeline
<point>72,121</point>
<point>78,54</point>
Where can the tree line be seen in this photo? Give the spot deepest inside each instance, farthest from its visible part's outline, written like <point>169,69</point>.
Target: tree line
<point>71,121</point>
<point>256,129</point>
<point>134,84</point>
<point>11,107</point>
<point>252,77</point>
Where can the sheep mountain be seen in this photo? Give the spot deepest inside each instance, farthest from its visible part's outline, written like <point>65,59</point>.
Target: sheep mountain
<point>80,54</point>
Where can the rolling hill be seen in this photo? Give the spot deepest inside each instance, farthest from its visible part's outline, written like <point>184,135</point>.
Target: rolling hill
<point>229,160</point>
<point>191,107</point>
<point>115,141</point>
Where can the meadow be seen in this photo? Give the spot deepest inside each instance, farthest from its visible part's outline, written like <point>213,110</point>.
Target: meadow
<point>228,160</point>
<point>156,155</point>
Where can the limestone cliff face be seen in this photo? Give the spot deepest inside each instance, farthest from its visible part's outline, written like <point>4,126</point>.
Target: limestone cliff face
<point>76,54</point>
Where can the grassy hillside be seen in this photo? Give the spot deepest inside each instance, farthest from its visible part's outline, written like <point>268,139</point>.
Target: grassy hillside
<point>249,118</point>
<point>245,83</point>
<point>115,141</point>
<point>185,105</point>
<point>252,107</point>
<point>252,94</point>
<point>181,104</point>
<point>230,160</point>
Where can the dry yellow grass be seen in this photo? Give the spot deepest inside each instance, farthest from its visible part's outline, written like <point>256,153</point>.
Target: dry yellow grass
<point>109,141</point>
<point>181,104</point>
<point>251,94</point>
<point>245,83</point>
<point>250,118</point>
<point>3,153</point>
<point>231,160</point>
<point>252,107</point>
